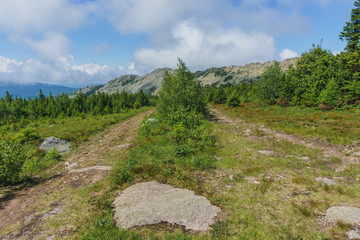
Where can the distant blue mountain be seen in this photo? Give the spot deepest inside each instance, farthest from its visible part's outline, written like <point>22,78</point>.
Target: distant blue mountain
<point>32,90</point>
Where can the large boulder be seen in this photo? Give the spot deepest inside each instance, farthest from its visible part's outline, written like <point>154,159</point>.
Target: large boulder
<point>349,215</point>
<point>61,146</point>
<point>152,203</point>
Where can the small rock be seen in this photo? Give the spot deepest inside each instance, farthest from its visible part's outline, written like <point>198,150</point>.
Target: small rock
<point>304,158</point>
<point>265,152</point>
<point>353,235</point>
<point>53,212</point>
<point>231,177</point>
<point>252,180</point>
<point>72,165</point>
<point>326,181</point>
<point>349,215</point>
<point>356,154</point>
<point>99,168</point>
<point>152,120</point>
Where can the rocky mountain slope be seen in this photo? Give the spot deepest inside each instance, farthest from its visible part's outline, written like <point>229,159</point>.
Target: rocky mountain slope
<point>151,82</point>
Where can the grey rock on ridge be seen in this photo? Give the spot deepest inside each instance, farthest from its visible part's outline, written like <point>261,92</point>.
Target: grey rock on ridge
<point>151,82</point>
<point>61,146</point>
<point>150,203</point>
<point>148,83</point>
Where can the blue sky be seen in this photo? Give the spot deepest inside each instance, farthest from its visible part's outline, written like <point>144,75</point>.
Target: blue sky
<point>79,42</point>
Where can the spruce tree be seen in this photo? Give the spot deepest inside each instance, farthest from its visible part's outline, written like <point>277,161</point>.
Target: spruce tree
<point>351,31</point>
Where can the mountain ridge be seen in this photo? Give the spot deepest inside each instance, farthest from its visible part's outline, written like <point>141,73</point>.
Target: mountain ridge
<point>151,82</point>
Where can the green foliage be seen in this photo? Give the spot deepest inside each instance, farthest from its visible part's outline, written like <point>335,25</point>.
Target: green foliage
<point>219,96</point>
<point>28,134</point>
<point>53,156</point>
<point>351,31</point>
<point>17,110</point>
<point>331,94</point>
<point>269,87</point>
<point>233,100</point>
<point>13,156</point>
<point>180,90</point>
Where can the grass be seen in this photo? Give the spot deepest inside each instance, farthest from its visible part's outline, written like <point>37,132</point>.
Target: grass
<point>285,202</point>
<point>336,126</point>
<point>74,129</point>
<point>284,205</point>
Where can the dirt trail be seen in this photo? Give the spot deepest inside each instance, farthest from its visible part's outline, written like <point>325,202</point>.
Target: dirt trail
<point>330,150</point>
<point>24,215</point>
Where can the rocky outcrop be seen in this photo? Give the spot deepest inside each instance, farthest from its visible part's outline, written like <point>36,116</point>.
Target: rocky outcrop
<point>150,203</point>
<point>349,215</point>
<point>61,146</point>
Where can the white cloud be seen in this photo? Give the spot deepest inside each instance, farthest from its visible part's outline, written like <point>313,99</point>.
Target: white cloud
<point>52,46</point>
<point>41,25</point>
<point>63,71</point>
<point>8,65</point>
<point>31,16</point>
<point>200,49</point>
<point>287,53</point>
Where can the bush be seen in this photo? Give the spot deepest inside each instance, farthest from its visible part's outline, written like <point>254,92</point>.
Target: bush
<point>233,100</point>
<point>28,134</point>
<point>53,156</point>
<point>180,90</point>
<point>13,156</point>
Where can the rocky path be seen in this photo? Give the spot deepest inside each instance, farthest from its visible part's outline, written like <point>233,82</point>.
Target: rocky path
<point>28,213</point>
<point>347,154</point>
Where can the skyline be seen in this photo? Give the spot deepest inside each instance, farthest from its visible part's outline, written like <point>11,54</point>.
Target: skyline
<point>77,43</point>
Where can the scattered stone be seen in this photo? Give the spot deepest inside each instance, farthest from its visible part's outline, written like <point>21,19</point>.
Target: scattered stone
<point>304,158</point>
<point>280,177</point>
<point>353,235</point>
<point>252,180</point>
<point>118,147</point>
<point>99,168</point>
<point>356,154</point>
<point>53,212</point>
<point>152,120</point>
<point>152,203</point>
<point>231,177</point>
<point>349,215</point>
<point>61,146</point>
<point>265,152</point>
<point>71,165</point>
<point>326,181</point>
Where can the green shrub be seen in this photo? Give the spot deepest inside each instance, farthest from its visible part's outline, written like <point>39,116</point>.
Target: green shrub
<point>53,156</point>
<point>180,90</point>
<point>13,156</point>
<point>28,134</point>
<point>233,100</point>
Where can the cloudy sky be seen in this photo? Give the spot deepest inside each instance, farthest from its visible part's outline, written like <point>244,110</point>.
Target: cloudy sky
<point>82,42</point>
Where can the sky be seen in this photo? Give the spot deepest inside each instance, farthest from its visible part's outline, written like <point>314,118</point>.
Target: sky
<point>85,42</point>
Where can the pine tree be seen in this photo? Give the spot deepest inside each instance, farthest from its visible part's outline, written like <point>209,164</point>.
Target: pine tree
<point>181,91</point>
<point>351,31</point>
